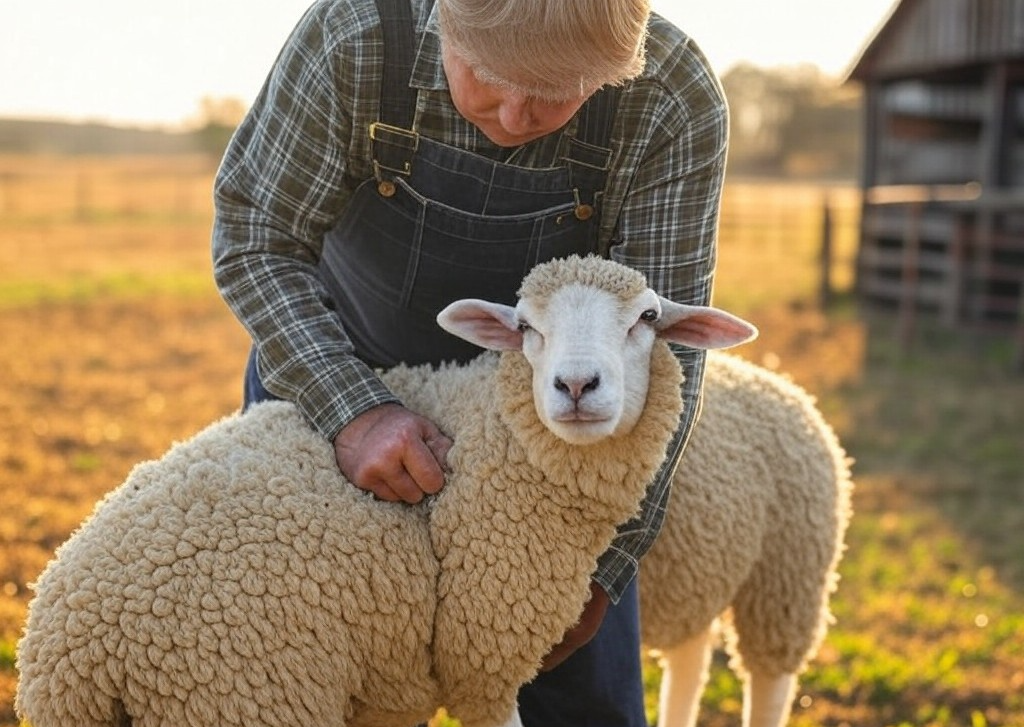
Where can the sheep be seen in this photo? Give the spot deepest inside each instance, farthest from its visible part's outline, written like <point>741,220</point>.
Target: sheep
<point>755,524</point>
<point>239,579</point>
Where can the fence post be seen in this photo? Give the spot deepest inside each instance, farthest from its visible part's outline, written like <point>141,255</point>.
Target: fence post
<point>825,289</point>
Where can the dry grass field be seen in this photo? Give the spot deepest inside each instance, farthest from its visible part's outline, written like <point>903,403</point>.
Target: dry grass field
<point>113,344</point>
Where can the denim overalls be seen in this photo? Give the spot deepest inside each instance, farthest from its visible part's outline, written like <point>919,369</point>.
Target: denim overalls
<point>437,224</point>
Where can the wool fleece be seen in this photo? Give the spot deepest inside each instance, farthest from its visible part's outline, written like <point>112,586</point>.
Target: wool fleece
<point>240,580</point>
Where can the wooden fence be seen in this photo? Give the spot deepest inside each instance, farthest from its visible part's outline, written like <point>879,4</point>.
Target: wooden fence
<point>771,233</point>
<point>47,189</point>
<point>788,241</point>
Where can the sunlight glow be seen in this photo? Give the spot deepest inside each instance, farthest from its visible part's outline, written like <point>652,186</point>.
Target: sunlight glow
<point>148,63</point>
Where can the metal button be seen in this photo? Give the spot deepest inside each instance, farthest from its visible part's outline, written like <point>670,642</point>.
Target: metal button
<point>584,212</point>
<point>386,188</point>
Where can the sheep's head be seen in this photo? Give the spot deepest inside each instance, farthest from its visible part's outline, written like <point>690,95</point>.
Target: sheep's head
<point>587,327</point>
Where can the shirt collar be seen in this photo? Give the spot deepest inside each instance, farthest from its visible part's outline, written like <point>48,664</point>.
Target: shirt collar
<point>427,69</point>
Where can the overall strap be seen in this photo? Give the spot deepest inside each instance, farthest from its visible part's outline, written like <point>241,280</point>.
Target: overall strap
<point>397,101</point>
<point>394,142</point>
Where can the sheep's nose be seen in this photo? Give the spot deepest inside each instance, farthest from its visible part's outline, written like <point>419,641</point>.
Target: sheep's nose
<point>577,386</point>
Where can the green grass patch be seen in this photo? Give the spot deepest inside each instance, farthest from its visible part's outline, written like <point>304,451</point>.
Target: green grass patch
<point>84,288</point>
<point>7,655</point>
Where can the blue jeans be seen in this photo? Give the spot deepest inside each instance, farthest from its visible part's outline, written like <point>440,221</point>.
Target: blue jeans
<point>253,391</point>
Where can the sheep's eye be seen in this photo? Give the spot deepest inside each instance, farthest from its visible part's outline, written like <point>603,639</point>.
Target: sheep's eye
<point>650,315</point>
<point>523,326</point>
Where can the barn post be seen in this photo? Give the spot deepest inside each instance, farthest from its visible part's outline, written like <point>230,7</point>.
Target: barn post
<point>1018,344</point>
<point>909,275</point>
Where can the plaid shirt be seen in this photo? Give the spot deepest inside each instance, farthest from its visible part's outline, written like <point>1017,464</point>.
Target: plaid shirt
<point>295,160</point>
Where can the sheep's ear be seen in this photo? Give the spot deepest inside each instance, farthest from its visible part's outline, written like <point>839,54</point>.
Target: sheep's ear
<point>701,326</point>
<point>488,325</point>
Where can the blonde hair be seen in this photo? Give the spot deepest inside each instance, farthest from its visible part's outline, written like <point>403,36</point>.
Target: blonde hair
<point>548,48</point>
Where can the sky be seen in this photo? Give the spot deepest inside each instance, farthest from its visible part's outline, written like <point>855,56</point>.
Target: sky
<point>142,62</point>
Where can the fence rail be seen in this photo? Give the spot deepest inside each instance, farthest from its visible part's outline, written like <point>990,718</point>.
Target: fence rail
<point>115,209</point>
<point>788,240</point>
<point>49,189</point>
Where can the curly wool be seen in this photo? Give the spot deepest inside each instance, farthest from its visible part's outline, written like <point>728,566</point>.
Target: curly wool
<point>236,581</point>
<point>623,282</point>
<point>240,580</point>
<point>518,548</point>
<point>759,508</point>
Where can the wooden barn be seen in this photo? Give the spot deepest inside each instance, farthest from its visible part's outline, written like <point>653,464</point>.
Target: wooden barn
<point>943,171</point>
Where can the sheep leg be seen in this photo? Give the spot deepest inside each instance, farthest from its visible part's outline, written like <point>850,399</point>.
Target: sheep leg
<point>767,699</point>
<point>684,674</point>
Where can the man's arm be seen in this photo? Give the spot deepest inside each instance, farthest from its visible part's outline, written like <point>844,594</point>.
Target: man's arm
<point>279,189</point>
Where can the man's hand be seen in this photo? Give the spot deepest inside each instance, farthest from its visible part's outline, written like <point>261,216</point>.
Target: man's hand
<point>394,453</point>
<point>582,632</point>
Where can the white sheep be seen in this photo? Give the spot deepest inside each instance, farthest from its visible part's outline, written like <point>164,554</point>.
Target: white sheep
<point>759,508</point>
<point>240,580</point>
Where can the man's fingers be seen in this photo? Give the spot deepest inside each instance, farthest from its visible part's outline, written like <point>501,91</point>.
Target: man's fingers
<point>422,465</point>
<point>382,491</point>
<point>439,445</point>
<point>399,486</point>
<point>394,453</point>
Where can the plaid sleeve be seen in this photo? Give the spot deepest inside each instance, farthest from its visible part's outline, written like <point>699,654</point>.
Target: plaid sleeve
<point>621,562</point>
<point>279,189</point>
<point>667,229</point>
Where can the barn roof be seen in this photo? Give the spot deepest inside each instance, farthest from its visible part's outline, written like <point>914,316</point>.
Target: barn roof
<point>927,36</point>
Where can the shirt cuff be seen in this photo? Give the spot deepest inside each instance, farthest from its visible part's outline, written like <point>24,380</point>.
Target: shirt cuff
<point>337,397</point>
<point>615,570</point>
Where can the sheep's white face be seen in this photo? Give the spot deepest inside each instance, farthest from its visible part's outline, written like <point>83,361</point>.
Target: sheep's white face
<point>581,346</point>
<point>590,350</point>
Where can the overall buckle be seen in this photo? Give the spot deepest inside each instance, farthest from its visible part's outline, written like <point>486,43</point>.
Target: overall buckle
<point>393,148</point>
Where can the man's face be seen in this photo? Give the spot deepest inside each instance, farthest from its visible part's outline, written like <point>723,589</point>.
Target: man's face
<point>505,116</point>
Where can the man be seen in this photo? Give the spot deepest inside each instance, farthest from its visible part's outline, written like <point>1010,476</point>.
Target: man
<point>402,156</point>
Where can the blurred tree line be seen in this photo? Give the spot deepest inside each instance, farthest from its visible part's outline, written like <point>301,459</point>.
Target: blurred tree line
<point>792,122</point>
<point>215,122</point>
<point>207,132</point>
<point>785,122</point>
